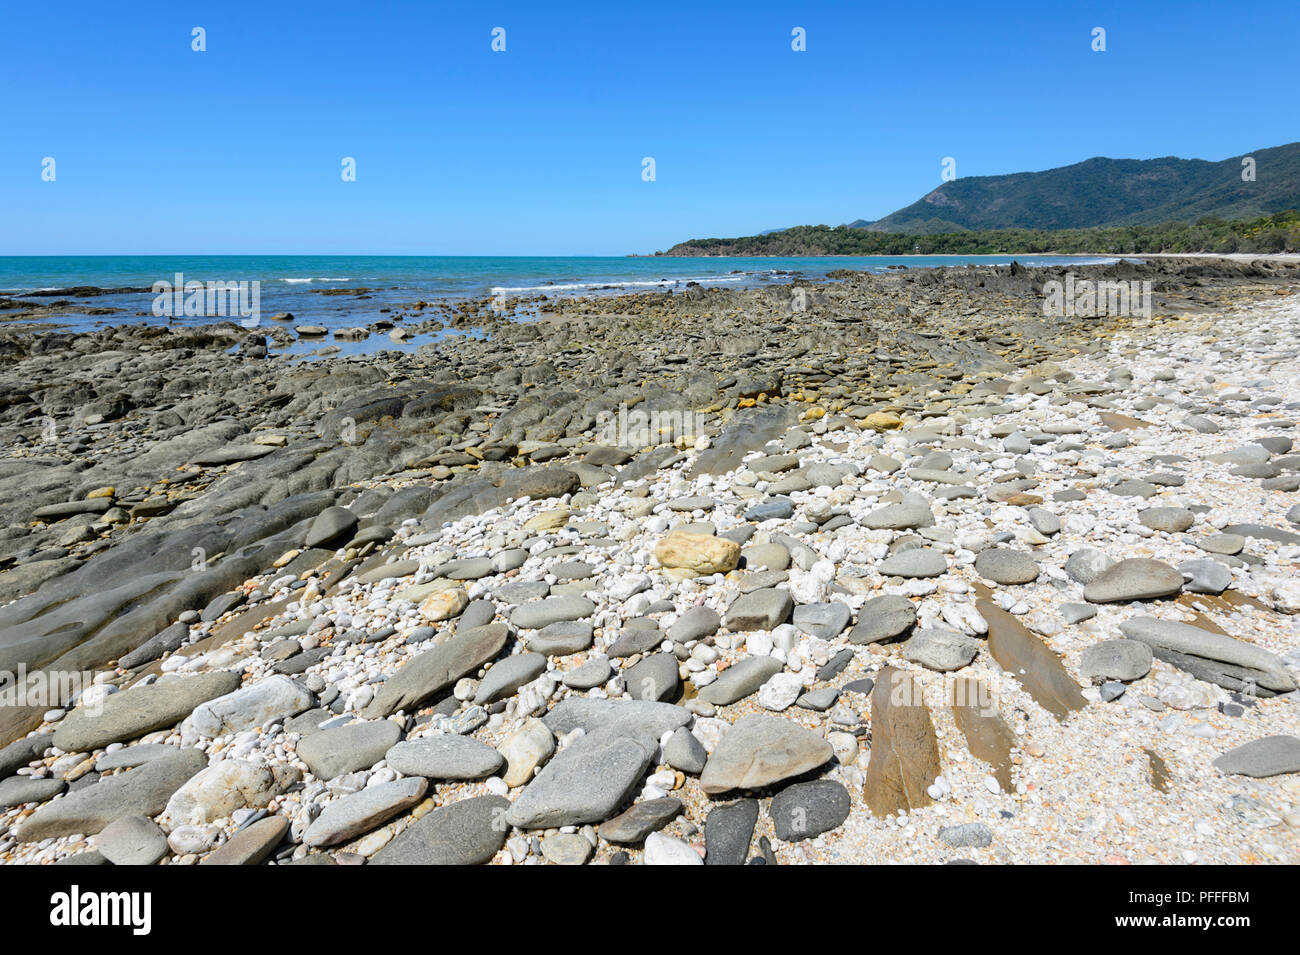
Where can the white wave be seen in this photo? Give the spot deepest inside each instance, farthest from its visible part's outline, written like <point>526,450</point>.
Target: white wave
<point>314,279</point>
<point>617,283</point>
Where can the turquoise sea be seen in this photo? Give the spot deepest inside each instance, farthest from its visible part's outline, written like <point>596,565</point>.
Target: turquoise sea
<point>294,283</point>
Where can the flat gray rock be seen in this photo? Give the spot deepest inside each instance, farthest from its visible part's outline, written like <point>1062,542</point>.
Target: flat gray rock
<point>968,835</point>
<point>759,610</point>
<point>140,710</point>
<point>1122,660</point>
<point>654,677</point>
<point>541,613</point>
<point>806,810</point>
<point>728,830</point>
<point>1087,564</point>
<point>142,791</point>
<point>250,845</point>
<point>919,562</point>
<point>640,718</point>
<point>695,624</point>
<point>561,639</point>
<point>1171,520</point>
<point>1205,576</point>
<point>1002,565</point>
<point>685,752</point>
<point>1261,758</point>
<point>1214,657</point>
<point>445,756</point>
<point>20,790</point>
<point>740,680</point>
<point>585,782</point>
<point>942,650</point>
<point>508,675</point>
<point>435,670</point>
<point>883,618</point>
<point>1138,578</point>
<point>825,621</point>
<point>761,750</point>
<point>348,749</point>
<point>911,513</point>
<point>359,813</point>
<point>639,820</point>
<point>595,672</point>
<point>132,840</point>
<point>270,698</point>
<point>468,832</point>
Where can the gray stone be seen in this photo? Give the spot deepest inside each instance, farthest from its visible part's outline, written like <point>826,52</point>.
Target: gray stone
<point>759,751</point>
<point>825,621</point>
<point>942,650</point>
<point>728,830</point>
<point>331,526</point>
<point>438,669</point>
<point>20,790</point>
<point>639,820</point>
<point>1214,657</point>
<point>132,840</point>
<point>250,845</point>
<point>595,672</point>
<point>140,710</point>
<point>1087,564</point>
<point>585,782</point>
<point>1123,660</point>
<point>913,512</point>
<point>1002,565</point>
<point>1073,613</point>
<point>1261,758</point>
<point>270,698</point>
<point>504,678</point>
<point>806,810</point>
<point>695,624</point>
<point>1134,579</point>
<point>468,832</point>
<point>883,618</point>
<point>759,610</point>
<point>143,791</point>
<point>1172,520</point>
<point>561,639</point>
<point>359,813</point>
<point>445,756</point>
<point>969,835</point>
<point>348,749</point>
<point>684,751</point>
<point>654,677</point>
<point>740,680</point>
<point>542,613</point>
<point>1205,576</point>
<point>919,562</point>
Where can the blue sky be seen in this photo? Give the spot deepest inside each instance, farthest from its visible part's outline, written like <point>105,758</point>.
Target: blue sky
<point>538,150</point>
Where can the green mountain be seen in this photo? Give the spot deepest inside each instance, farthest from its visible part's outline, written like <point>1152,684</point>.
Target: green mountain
<point>1105,192</point>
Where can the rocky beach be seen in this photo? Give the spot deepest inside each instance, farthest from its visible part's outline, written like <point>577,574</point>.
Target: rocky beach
<point>872,569</point>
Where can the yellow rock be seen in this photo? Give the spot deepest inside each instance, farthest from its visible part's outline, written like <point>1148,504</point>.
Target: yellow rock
<point>701,553</point>
<point>882,421</point>
<point>746,403</point>
<point>445,605</point>
<point>271,440</point>
<point>548,520</point>
<point>102,492</point>
<point>286,558</point>
<point>813,413</point>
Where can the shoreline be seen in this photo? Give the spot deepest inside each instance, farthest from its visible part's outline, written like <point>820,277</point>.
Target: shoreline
<point>464,500</point>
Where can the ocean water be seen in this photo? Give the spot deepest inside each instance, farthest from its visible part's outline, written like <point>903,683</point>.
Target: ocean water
<point>294,283</point>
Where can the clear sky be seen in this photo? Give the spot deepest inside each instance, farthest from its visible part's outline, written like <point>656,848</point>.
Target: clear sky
<point>539,149</point>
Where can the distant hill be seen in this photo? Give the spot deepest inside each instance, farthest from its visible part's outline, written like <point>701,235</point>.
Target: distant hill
<point>1106,192</point>
<point>1114,194</point>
